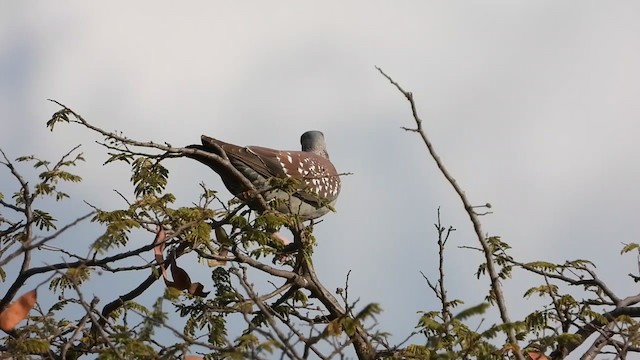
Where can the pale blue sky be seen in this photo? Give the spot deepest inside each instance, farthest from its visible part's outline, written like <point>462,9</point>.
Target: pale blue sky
<point>533,105</point>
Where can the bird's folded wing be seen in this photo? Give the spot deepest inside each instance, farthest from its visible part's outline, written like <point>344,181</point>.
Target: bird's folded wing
<point>266,162</point>
<point>259,159</point>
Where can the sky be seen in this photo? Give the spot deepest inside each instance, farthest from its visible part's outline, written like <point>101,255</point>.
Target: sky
<point>532,105</point>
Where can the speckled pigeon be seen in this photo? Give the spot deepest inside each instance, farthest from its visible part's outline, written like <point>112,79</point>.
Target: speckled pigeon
<point>320,181</point>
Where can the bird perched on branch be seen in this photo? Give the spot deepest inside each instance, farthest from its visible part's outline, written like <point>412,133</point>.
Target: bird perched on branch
<point>318,182</point>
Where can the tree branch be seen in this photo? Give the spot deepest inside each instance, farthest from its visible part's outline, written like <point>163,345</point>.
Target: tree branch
<point>585,331</point>
<point>170,150</point>
<point>493,274</point>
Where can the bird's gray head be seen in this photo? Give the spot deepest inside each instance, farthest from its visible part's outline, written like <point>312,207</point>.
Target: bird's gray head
<point>313,141</point>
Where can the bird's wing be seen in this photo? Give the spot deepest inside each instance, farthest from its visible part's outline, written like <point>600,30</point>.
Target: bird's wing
<point>261,160</point>
<point>271,161</point>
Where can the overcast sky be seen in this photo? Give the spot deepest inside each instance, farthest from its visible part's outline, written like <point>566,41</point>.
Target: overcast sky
<point>533,105</point>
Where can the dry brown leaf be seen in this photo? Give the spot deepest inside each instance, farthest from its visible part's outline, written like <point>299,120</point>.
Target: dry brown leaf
<point>181,279</point>
<point>193,357</point>
<point>197,289</point>
<point>18,310</point>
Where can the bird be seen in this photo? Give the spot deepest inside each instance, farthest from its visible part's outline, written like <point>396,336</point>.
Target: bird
<point>319,182</point>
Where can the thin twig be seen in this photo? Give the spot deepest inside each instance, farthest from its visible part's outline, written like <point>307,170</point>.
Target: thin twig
<point>44,240</point>
<point>268,314</point>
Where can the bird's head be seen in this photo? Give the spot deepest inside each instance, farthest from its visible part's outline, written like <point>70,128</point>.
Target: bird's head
<point>313,141</point>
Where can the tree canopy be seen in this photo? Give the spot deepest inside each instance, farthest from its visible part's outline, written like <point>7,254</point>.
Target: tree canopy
<point>263,299</point>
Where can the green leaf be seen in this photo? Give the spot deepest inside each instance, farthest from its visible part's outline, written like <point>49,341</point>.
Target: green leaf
<point>128,158</point>
<point>33,346</point>
<point>350,325</point>
<point>427,322</point>
<point>580,263</point>
<point>25,158</point>
<point>299,296</point>
<point>55,175</point>
<point>472,311</point>
<point>536,320</point>
<point>543,265</point>
<point>247,340</point>
<point>567,338</point>
<point>542,290</point>
<point>629,247</point>
<point>369,311</point>
<point>41,163</point>
<point>59,116</point>
<point>149,177</point>
<point>222,237</point>
<point>43,220</point>
<point>417,352</point>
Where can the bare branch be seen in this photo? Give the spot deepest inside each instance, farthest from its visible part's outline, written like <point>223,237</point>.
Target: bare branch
<point>493,274</point>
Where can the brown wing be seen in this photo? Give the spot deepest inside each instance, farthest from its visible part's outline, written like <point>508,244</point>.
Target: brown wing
<point>260,159</point>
